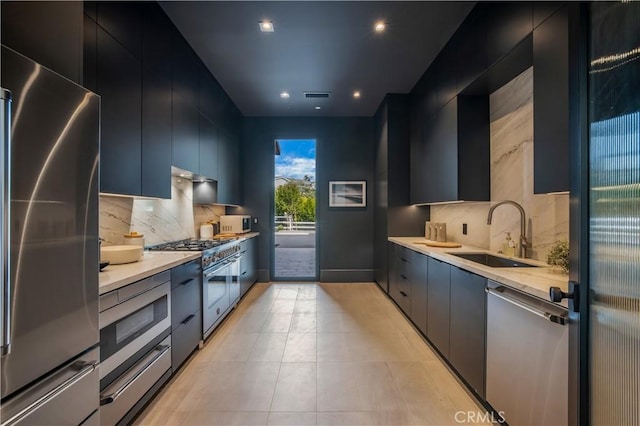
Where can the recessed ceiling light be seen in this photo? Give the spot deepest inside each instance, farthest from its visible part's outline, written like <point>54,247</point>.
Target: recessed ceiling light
<point>266,26</point>
<point>318,107</point>
<point>379,26</point>
<point>356,94</point>
<point>284,95</point>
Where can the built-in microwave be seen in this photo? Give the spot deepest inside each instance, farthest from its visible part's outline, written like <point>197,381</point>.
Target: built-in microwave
<point>235,224</point>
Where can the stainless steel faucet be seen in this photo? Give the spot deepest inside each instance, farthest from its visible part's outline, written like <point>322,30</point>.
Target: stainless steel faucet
<point>523,224</point>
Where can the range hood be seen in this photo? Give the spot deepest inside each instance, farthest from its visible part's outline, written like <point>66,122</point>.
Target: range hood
<point>205,190</point>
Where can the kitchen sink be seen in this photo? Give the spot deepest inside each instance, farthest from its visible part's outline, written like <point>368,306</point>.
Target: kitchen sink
<point>493,261</point>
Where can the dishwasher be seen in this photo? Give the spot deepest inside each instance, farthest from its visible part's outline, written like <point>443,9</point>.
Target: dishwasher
<point>527,358</point>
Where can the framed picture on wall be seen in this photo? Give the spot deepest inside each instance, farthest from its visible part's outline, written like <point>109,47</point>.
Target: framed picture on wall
<point>351,193</point>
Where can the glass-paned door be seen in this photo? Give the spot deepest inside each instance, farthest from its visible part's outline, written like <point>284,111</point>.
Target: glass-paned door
<point>614,213</point>
<point>295,218</point>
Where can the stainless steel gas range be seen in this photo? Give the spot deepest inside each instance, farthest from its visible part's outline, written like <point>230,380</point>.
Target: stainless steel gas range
<point>220,276</point>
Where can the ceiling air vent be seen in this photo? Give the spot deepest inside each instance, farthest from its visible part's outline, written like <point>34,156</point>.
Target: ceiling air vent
<point>316,95</point>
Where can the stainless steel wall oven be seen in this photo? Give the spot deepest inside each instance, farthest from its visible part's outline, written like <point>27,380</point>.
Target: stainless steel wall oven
<point>135,346</point>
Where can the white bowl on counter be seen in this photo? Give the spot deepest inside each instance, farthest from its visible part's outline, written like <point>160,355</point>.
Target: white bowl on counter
<point>118,255</point>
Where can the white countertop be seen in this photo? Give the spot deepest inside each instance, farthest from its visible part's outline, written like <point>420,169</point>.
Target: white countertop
<point>533,281</point>
<point>153,262</point>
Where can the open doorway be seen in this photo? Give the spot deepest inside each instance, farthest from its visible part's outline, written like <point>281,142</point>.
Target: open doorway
<point>295,254</point>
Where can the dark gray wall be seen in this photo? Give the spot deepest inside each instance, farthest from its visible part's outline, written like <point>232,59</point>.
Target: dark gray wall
<point>344,151</point>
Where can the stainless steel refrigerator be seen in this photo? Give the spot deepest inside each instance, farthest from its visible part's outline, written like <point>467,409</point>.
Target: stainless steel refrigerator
<point>50,336</point>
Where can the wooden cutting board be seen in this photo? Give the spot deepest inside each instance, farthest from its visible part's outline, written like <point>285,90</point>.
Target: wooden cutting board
<point>447,244</point>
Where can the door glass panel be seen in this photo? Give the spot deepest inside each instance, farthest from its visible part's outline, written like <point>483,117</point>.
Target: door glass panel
<point>614,312</point>
<point>295,210</point>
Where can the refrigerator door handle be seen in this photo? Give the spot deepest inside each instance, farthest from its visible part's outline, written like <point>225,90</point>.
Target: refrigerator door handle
<point>5,167</point>
<point>85,368</point>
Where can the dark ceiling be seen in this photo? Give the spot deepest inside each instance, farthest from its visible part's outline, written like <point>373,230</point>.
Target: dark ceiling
<point>327,46</point>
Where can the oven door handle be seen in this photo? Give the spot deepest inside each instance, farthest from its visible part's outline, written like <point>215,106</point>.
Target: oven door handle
<point>162,349</point>
<point>208,274</point>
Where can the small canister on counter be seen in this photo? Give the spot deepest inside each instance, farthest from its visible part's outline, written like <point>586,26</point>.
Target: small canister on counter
<point>441,232</point>
<point>134,239</point>
<point>206,231</point>
<point>427,230</point>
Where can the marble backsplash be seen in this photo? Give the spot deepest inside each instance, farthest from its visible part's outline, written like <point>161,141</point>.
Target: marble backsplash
<point>511,112</point>
<point>159,220</point>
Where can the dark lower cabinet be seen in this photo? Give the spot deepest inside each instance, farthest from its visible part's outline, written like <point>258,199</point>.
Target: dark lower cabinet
<point>438,299</point>
<point>400,282</point>
<point>186,313</point>
<point>419,278</point>
<point>467,327</point>
<point>248,264</point>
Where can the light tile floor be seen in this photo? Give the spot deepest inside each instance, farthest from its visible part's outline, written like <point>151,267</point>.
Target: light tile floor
<point>313,354</point>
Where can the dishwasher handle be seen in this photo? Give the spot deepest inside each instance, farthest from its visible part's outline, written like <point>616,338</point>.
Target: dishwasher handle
<point>558,319</point>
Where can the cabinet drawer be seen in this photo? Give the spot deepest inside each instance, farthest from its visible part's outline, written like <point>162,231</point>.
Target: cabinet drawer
<point>185,300</point>
<point>185,339</point>
<point>183,273</point>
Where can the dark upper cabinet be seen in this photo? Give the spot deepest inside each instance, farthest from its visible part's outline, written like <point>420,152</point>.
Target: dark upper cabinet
<point>507,23</point>
<point>50,33</point>
<point>119,85</point>
<point>450,161</point>
<point>419,281</point>
<point>467,327</point>
<point>551,103</point>
<point>208,148</point>
<point>212,98</point>
<point>228,166</point>
<point>185,113</point>
<point>471,46</point>
<point>123,21</point>
<point>156,103</point>
<point>438,299</point>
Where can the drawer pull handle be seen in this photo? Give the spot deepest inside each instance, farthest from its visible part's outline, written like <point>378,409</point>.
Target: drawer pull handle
<point>403,293</point>
<point>111,397</point>
<point>244,273</point>
<point>189,318</point>
<point>185,282</point>
<point>403,276</point>
<point>403,259</point>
